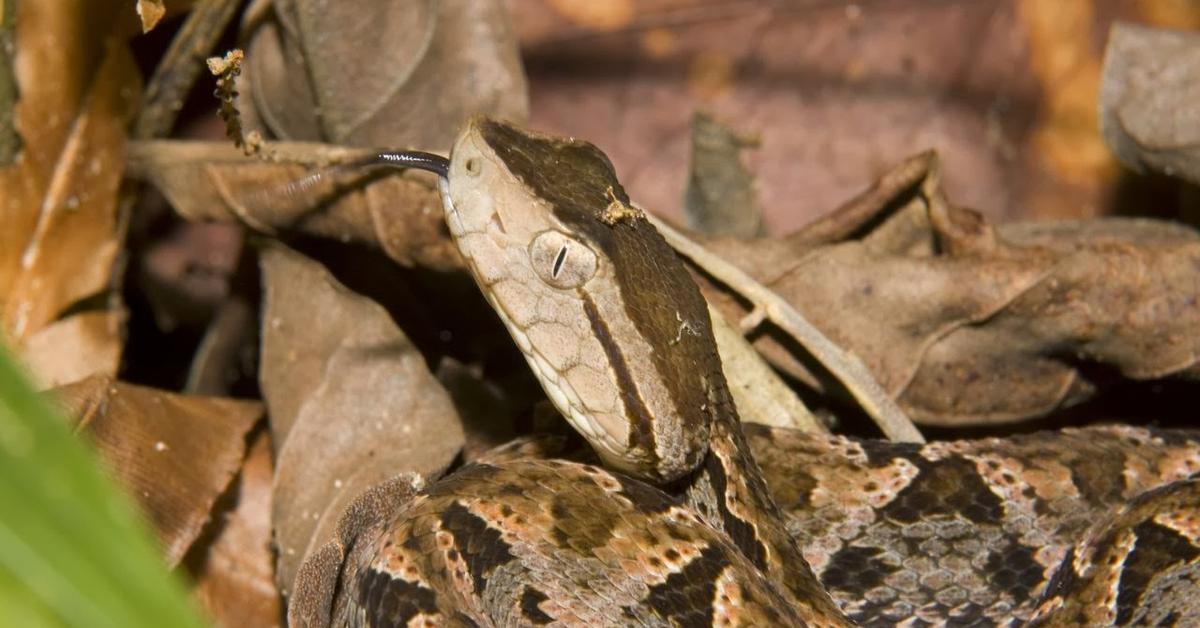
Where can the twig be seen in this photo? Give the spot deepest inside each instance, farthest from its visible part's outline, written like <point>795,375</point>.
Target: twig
<point>843,365</point>
<point>181,64</point>
<point>866,207</point>
<point>161,103</point>
<point>227,69</point>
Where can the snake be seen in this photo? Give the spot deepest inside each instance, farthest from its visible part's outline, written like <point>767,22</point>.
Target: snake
<point>680,514</point>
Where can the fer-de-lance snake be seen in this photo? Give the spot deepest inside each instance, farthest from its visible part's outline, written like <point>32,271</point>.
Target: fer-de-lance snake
<point>677,524</point>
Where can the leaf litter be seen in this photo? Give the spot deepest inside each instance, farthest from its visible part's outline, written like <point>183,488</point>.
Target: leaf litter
<point>965,324</point>
<point>350,407</point>
<point>78,87</point>
<point>147,435</point>
<point>962,323</point>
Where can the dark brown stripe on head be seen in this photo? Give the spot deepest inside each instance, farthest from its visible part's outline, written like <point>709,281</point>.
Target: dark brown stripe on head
<point>390,601</point>
<point>480,546</point>
<point>641,429</point>
<point>568,173</point>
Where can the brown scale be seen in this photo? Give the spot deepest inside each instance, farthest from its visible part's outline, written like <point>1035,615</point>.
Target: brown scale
<point>565,527</point>
<point>577,545</point>
<point>966,532</point>
<point>1139,567</point>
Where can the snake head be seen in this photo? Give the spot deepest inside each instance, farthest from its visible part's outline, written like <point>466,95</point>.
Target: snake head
<point>605,313</point>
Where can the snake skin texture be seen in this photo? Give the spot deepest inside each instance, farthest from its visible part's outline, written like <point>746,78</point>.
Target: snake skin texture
<point>970,532</point>
<point>748,526</point>
<point>1139,567</point>
<point>1094,526</point>
<point>531,542</point>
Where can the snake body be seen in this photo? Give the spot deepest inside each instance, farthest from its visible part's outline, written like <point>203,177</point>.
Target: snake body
<point>679,525</point>
<point>987,532</point>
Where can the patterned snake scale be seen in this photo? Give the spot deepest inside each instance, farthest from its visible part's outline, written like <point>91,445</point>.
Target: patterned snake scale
<point>680,516</point>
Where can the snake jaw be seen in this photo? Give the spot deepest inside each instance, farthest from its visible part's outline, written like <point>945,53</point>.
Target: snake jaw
<point>453,220</point>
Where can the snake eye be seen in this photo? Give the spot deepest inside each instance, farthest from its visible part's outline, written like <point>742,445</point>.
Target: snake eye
<point>561,260</point>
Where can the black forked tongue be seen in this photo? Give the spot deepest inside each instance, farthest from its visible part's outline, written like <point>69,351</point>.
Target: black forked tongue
<point>415,159</point>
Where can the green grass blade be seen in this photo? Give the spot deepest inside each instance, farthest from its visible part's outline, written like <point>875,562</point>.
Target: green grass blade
<point>73,551</point>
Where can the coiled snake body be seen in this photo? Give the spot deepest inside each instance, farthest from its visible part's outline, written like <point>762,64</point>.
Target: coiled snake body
<point>680,525</point>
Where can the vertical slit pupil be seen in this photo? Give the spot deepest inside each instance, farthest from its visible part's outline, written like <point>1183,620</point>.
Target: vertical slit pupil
<point>558,261</point>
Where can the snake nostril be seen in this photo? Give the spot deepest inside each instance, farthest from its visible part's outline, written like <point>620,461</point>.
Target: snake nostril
<point>497,224</point>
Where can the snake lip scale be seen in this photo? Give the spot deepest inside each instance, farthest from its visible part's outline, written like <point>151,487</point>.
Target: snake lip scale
<point>681,515</point>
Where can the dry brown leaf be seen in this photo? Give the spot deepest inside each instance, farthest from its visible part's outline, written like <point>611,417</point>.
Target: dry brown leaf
<point>399,213</point>
<point>1148,99</point>
<point>215,365</point>
<point>965,326</point>
<point>1117,292</point>
<point>74,348</point>
<point>234,570</point>
<point>351,401</point>
<point>77,90</point>
<point>146,436</point>
<point>759,393</point>
<point>359,73</point>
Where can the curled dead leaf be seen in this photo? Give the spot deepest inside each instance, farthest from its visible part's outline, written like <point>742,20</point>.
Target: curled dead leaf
<point>400,213</point>
<point>964,324</point>
<point>351,402</point>
<point>233,567</point>
<point>77,91</point>
<point>428,66</point>
<point>145,435</point>
<point>1148,99</point>
<point>75,348</point>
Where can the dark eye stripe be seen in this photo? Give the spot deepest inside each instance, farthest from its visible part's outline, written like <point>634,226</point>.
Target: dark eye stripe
<point>558,261</point>
<point>641,421</point>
